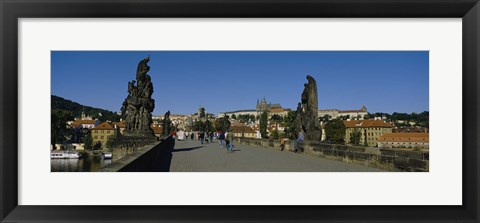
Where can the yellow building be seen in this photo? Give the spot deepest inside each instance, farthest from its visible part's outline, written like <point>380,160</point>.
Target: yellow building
<point>101,133</point>
<point>412,140</point>
<point>242,131</point>
<point>370,130</point>
<point>121,125</point>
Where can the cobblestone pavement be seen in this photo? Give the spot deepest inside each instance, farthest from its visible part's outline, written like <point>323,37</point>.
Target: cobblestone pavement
<point>191,156</point>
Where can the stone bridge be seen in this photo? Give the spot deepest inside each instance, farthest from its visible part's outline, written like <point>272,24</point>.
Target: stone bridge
<point>263,155</point>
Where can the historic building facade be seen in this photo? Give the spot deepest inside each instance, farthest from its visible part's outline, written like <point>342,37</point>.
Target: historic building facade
<point>271,109</point>
<point>242,131</point>
<point>261,106</point>
<point>413,140</point>
<point>370,130</point>
<point>103,132</point>
<point>335,113</point>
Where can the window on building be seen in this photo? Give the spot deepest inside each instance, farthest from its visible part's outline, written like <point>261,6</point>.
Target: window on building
<point>95,137</point>
<point>96,131</point>
<point>103,131</point>
<point>101,137</point>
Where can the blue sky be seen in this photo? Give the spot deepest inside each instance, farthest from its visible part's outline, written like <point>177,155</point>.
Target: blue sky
<point>383,81</point>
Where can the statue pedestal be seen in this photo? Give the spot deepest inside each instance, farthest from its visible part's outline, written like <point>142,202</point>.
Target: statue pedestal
<point>139,134</point>
<point>314,135</point>
<point>133,141</point>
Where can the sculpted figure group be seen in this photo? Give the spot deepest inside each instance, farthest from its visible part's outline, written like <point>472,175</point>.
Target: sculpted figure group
<point>306,114</point>
<point>139,105</point>
<point>166,124</point>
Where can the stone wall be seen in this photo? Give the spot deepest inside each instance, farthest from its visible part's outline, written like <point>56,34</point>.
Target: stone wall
<point>382,158</point>
<point>154,157</point>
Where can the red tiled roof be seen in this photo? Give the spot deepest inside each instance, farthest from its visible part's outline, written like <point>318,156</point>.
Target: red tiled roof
<point>350,111</point>
<point>121,124</point>
<point>241,129</point>
<point>84,122</point>
<point>157,130</point>
<point>276,110</point>
<point>104,126</point>
<point>404,137</point>
<point>366,123</point>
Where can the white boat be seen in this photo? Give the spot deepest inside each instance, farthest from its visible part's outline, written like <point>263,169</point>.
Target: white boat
<point>65,155</point>
<point>107,155</point>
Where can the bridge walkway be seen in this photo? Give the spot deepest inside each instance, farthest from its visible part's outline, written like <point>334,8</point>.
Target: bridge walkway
<point>191,156</point>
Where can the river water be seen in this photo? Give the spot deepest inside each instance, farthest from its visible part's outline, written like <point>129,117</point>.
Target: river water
<point>88,164</point>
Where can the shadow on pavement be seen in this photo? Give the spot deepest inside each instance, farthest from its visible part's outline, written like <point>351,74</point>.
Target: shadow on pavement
<point>187,149</point>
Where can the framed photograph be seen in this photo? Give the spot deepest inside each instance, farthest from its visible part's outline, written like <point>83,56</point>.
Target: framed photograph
<point>239,111</point>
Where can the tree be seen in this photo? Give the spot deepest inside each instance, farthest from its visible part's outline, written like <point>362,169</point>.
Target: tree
<point>234,116</point>
<point>263,124</point>
<point>325,118</point>
<point>243,118</point>
<point>355,137</point>
<point>77,109</point>
<point>275,134</point>
<point>97,146</point>
<point>88,142</point>
<point>276,117</point>
<point>208,126</point>
<point>335,131</point>
<point>252,118</point>
<point>59,131</point>
<point>368,116</point>
<point>222,124</point>
<point>110,142</point>
<point>289,122</point>
<point>198,126</point>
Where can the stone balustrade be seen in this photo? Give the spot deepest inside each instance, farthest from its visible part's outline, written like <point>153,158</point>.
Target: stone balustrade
<point>382,158</point>
<point>153,157</point>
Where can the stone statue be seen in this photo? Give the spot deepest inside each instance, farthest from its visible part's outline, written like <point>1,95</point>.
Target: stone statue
<point>312,101</point>
<point>305,96</point>
<point>139,105</point>
<point>307,111</point>
<point>166,124</point>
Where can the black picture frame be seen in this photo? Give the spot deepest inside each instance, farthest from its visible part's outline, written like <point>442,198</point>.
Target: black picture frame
<point>11,11</point>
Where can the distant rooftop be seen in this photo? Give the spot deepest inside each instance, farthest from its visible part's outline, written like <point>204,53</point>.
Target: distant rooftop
<point>245,110</point>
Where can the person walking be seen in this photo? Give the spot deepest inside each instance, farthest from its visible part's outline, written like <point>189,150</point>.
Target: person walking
<point>201,136</point>
<point>174,135</point>
<point>229,141</point>
<point>221,137</point>
<point>210,134</point>
<point>283,141</point>
<point>301,136</point>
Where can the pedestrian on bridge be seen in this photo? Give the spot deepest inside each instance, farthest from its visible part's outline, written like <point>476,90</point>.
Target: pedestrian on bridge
<point>301,136</point>
<point>201,136</point>
<point>221,137</point>
<point>210,135</point>
<point>229,141</point>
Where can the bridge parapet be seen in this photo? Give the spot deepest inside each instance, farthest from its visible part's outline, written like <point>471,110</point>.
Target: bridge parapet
<point>382,158</point>
<point>153,157</point>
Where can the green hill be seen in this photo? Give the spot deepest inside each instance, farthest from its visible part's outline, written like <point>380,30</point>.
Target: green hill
<point>59,103</point>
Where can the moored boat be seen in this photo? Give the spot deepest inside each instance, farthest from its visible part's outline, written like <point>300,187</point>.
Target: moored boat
<point>107,155</point>
<point>65,155</point>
